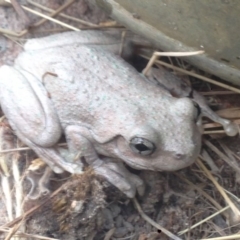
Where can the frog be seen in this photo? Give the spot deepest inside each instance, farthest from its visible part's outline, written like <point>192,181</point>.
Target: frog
<point>74,84</point>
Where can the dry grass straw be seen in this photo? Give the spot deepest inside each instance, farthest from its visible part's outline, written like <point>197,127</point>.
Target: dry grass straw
<point>21,235</point>
<point>12,192</point>
<point>221,210</point>
<point>234,215</point>
<point>156,55</point>
<point>62,14</point>
<point>54,13</point>
<point>46,17</point>
<point>153,223</point>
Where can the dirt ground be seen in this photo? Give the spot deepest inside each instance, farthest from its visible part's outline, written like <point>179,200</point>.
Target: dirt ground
<point>87,207</point>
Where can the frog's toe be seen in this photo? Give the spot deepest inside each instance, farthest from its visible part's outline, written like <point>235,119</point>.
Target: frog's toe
<point>78,169</point>
<point>231,129</point>
<point>56,168</point>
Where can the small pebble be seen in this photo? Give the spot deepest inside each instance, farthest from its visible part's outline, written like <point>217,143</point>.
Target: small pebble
<point>120,232</point>
<point>115,210</point>
<point>109,223</point>
<point>128,225</point>
<point>119,221</point>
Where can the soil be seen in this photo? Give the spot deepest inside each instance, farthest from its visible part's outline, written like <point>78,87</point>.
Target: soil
<point>87,207</point>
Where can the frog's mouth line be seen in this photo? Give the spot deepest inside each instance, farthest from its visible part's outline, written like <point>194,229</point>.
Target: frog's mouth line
<point>129,162</point>
<point>152,164</point>
<point>138,166</point>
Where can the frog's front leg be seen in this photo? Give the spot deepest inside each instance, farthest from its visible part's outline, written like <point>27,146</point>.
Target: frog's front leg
<point>179,88</point>
<point>111,169</point>
<point>231,129</point>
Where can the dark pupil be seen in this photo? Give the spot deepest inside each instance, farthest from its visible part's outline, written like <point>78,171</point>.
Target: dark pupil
<point>141,147</point>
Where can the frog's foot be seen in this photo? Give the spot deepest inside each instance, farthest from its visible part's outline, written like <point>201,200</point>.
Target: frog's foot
<point>39,183</point>
<point>53,156</point>
<point>116,173</point>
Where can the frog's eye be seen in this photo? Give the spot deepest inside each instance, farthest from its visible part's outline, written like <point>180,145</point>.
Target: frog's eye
<point>142,146</point>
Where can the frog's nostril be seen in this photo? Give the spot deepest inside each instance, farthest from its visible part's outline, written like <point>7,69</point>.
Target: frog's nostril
<point>179,156</point>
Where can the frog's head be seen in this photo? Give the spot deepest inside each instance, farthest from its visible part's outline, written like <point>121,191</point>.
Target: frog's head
<point>167,146</point>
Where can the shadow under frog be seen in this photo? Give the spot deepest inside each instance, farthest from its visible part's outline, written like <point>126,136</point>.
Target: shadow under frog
<point>71,84</point>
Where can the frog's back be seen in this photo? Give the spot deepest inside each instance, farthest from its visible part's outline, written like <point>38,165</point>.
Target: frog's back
<point>91,86</point>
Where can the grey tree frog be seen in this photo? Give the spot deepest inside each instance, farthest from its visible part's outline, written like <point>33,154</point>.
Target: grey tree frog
<point>74,84</point>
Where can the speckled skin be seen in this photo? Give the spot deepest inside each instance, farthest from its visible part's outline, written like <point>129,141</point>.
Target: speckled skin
<point>100,103</point>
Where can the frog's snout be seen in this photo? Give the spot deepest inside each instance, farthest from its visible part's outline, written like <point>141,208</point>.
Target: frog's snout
<point>170,161</point>
<point>184,159</point>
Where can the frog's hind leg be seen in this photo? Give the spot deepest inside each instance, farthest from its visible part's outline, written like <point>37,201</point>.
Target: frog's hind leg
<point>54,157</point>
<point>27,106</point>
<point>32,116</point>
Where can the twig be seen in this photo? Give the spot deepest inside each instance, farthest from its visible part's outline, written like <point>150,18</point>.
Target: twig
<point>12,231</point>
<point>212,125</point>
<point>55,13</point>
<point>234,236</point>
<point>8,198</point>
<point>208,159</point>
<point>27,148</point>
<point>109,234</point>
<point>18,186</point>
<point>12,33</point>
<point>4,4</point>
<point>20,234</point>
<point>156,225</point>
<point>63,15</point>
<point>214,132</point>
<point>49,18</point>
<point>217,93</point>
<point>168,54</point>
<point>123,37</point>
